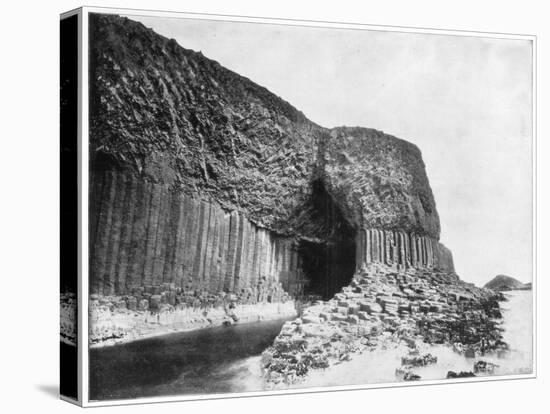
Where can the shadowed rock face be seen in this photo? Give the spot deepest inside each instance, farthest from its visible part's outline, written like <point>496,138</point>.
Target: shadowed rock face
<point>170,126</point>
<point>175,117</point>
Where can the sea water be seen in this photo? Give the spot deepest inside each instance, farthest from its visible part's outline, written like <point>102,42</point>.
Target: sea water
<point>227,359</point>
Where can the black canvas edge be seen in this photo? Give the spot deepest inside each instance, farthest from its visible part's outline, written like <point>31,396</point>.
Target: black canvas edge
<point>70,26</point>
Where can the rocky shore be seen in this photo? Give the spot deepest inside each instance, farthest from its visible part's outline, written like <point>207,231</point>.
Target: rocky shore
<point>411,312</point>
<point>158,310</point>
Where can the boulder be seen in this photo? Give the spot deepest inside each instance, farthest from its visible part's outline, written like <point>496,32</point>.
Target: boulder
<point>353,319</point>
<point>310,319</point>
<point>370,307</point>
<point>120,304</point>
<point>154,302</point>
<point>411,376</point>
<point>171,297</point>
<point>353,309</point>
<point>461,374</point>
<point>484,367</point>
<point>342,310</point>
<point>363,315</point>
<point>327,316</point>
<point>132,303</point>
<point>143,305</point>
<point>419,361</point>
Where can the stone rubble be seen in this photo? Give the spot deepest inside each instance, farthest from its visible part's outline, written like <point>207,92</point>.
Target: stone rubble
<point>380,309</point>
<point>461,374</point>
<point>484,367</point>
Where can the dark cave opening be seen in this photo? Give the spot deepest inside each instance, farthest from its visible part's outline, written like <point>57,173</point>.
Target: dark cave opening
<point>328,260</point>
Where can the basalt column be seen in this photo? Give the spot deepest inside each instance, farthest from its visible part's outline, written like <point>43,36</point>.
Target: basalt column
<point>401,250</point>
<point>142,236</point>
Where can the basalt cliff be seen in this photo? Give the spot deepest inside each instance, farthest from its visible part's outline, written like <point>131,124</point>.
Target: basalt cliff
<point>212,200</point>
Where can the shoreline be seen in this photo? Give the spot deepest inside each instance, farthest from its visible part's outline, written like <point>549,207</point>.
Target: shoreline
<point>380,364</point>
<point>415,311</point>
<point>114,326</point>
<point>374,366</point>
<point>384,365</point>
<point>172,330</point>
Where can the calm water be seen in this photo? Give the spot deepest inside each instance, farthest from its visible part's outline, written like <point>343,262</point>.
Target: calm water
<point>214,360</point>
<point>518,330</point>
<point>227,359</point>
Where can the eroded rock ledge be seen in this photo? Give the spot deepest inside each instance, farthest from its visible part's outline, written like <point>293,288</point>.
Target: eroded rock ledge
<point>116,319</point>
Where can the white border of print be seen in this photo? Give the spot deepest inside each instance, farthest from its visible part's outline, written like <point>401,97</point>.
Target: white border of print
<point>83,207</point>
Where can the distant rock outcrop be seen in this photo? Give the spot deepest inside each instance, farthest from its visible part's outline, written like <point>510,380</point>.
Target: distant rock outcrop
<point>502,283</point>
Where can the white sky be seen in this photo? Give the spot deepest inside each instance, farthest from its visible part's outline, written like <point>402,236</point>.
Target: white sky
<point>464,101</point>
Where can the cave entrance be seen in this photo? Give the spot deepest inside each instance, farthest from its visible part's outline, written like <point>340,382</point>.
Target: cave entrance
<point>328,259</point>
